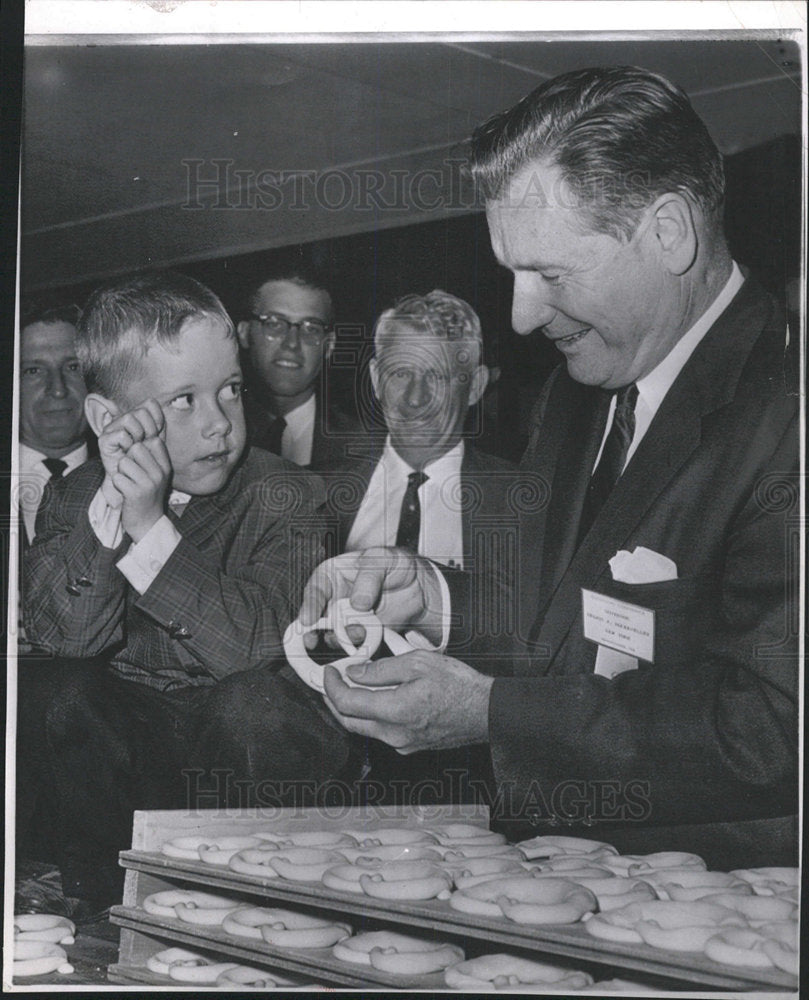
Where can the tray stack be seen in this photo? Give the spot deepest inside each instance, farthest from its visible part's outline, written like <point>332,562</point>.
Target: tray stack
<point>149,871</point>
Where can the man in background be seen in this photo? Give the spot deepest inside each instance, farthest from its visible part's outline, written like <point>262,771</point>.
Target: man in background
<point>53,429</point>
<point>287,336</point>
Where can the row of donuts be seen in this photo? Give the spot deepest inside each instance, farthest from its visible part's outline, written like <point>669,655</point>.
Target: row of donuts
<point>38,941</point>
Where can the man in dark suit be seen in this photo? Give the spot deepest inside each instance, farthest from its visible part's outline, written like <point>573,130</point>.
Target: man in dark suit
<point>653,701</point>
<point>287,336</point>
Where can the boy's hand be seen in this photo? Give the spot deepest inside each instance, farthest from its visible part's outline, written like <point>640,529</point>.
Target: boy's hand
<point>137,464</point>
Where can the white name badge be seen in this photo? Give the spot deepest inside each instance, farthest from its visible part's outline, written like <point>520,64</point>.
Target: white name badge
<point>627,628</point>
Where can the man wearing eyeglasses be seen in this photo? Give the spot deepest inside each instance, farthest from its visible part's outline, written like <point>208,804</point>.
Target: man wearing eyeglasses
<point>287,336</point>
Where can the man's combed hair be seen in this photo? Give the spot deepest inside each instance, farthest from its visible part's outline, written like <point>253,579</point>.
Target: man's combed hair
<point>297,272</point>
<point>444,315</point>
<point>620,136</point>
<point>37,312</point>
<point>124,318</point>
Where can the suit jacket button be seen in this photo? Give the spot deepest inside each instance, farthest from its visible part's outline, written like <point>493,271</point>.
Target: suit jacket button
<point>178,631</point>
<point>72,589</point>
<point>84,582</point>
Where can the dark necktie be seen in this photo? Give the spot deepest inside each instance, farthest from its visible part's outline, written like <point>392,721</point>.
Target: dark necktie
<point>274,435</point>
<point>407,537</point>
<point>56,467</point>
<point>613,456</point>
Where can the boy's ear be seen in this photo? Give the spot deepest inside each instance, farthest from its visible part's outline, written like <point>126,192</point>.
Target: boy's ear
<point>243,333</point>
<point>99,411</point>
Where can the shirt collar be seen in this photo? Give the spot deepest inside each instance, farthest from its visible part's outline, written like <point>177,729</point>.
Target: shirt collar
<point>302,416</point>
<point>29,457</point>
<point>440,469</point>
<point>654,386</point>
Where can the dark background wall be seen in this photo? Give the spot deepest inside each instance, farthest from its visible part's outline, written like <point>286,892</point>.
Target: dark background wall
<point>368,271</point>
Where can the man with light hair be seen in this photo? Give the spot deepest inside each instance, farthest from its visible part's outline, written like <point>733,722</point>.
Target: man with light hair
<point>653,699</point>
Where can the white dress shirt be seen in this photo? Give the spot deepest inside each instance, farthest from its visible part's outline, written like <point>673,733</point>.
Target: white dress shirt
<point>34,477</point>
<point>441,528</point>
<point>652,388</point>
<point>143,560</point>
<point>296,441</point>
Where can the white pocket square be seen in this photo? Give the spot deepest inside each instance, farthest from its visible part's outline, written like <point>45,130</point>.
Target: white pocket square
<point>642,566</point>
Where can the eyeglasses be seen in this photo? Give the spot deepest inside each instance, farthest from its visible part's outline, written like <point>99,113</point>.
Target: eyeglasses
<point>274,326</point>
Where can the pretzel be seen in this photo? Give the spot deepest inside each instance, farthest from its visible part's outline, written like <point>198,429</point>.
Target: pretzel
<point>393,852</point>
<point>466,833</point>
<point>187,848</point>
<point>339,615</point>
<point>255,861</point>
<point>305,838</point>
<point>303,864</point>
<point>546,901</point>
<point>781,944</point>
<point>638,864</point>
<point>467,872</point>
<point>664,924</point>
<point>167,902</point>
<point>186,966</point>
<point>399,954</point>
<point>247,921</point>
<point>38,958</point>
<point>222,849</point>
<point>44,927</point>
<point>392,836</point>
<point>485,850</point>
<point>685,884</point>
<point>738,946</point>
<point>613,893</point>
<point>407,880</point>
<point>769,881</point>
<point>512,975</point>
<point>289,929</point>
<point>757,909</point>
<point>481,899</point>
<point>346,878</point>
<point>547,847</point>
<point>243,977</point>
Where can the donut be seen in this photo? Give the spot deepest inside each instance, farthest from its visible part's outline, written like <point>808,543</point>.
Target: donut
<point>547,901</point>
<point>39,958</point>
<point>407,880</point>
<point>289,929</point>
<point>220,851</point>
<point>663,923</point>
<point>346,878</point>
<point>547,847</point>
<point>636,864</point>
<point>303,864</point>
<point>165,903</point>
<point>398,954</point>
<point>738,946</point>
<point>392,852</point>
<point>757,909</point>
<point>243,977</point>
<point>512,975</point>
<point>44,927</point>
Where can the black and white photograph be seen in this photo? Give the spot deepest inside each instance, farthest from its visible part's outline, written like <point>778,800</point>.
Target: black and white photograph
<point>405,551</point>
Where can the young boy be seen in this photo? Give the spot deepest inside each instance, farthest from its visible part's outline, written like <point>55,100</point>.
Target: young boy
<point>167,570</point>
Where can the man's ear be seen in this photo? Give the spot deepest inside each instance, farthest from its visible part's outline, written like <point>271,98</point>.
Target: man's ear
<point>673,229</point>
<point>331,340</point>
<point>99,411</point>
<point>373,368</point>
<point>478,383</point>
<point>243,333</point>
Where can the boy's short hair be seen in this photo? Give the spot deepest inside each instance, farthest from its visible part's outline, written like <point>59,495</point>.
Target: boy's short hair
<point>124,317</point>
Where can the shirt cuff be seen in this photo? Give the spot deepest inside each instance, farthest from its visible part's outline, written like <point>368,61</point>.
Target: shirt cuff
<point>146,558</point>
<point>419,641</point>
<point>105,519</point>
